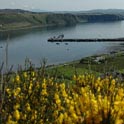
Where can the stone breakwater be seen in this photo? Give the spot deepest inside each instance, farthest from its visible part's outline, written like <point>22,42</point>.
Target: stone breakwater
<point>87,40</point>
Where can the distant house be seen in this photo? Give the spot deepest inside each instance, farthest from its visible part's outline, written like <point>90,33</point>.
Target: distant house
<point>1,25</point>
<point>100,59</point>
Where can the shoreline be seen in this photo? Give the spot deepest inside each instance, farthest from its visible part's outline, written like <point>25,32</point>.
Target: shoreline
<point>110,53</point>
<point>83,66</point>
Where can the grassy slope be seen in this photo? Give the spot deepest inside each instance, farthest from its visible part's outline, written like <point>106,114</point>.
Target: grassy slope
<point>113,63</point>
<point>23,20</point>
<point>12,21</point>
<point>18,20</point>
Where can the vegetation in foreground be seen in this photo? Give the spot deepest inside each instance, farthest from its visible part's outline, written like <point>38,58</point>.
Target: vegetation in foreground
<point>31,97</point>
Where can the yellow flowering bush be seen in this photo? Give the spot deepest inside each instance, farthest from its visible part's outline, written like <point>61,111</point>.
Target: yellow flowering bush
<point>31,98</point>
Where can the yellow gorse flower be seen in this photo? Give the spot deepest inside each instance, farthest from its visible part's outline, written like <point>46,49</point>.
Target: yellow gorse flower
<point>16,115</point>
<point>34,99</point>
<point>17,78</point>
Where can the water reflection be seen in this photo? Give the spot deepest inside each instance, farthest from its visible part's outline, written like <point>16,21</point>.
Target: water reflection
<point>30,31</point>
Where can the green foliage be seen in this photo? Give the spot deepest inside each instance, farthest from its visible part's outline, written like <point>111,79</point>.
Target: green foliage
<point>67,71</point>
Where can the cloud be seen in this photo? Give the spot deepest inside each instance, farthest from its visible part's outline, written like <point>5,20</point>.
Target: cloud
<point>13,3</point>
<point>62,4</point>
<point>25,6</point>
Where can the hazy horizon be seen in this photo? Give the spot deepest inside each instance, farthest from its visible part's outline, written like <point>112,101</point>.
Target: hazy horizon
<point>62,5</point>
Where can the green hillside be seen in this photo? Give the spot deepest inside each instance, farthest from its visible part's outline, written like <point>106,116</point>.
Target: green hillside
<point>9,21</point>
<point>19,19</point>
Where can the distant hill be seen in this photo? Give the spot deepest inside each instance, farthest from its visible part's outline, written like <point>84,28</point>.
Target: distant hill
<point>103,11</point>
<point>107,11</point>
<point>39,10</point>
<point>11,19</point>
<point>14,11</point>
<point>96,11</point>
<point>19,19</point>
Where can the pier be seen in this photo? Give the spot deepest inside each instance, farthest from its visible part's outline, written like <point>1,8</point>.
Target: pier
<point>87,40</point>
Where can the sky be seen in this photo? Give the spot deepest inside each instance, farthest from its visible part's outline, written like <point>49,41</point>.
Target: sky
<point>62,5</point>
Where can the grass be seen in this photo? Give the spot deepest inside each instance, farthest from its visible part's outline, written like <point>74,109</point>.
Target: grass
<point>112,63</point>
<point>67,71</point>
<point>11,21</point>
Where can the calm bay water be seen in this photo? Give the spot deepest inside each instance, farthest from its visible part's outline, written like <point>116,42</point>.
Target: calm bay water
<point>33,43</point>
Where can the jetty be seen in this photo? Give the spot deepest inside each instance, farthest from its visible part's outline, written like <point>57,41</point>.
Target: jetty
<point>87,40</point>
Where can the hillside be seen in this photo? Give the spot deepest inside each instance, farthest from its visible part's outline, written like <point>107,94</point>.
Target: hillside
<point>100,17</point>
<point>9,21</point>
<point>19,19</point>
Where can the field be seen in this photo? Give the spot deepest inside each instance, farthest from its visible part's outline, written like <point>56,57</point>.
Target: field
<point>73,93</point>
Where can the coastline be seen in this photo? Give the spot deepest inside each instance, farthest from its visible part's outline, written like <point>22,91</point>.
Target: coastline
<point>110,54</point>
<point>100,65</point>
